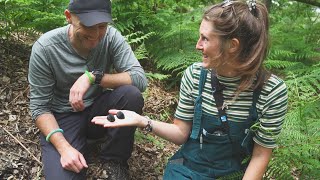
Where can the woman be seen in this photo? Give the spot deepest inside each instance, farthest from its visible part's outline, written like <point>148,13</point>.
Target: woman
<point>230,109</point>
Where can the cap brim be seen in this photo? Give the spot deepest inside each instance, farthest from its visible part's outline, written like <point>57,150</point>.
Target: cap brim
<point>93,18</point>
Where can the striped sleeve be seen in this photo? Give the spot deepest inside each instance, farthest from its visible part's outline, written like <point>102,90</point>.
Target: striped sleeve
<point>273,102</point>
<point>185,108</point>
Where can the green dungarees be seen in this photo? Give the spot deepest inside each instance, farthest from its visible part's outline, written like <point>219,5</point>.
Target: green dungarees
<point>210,153</point>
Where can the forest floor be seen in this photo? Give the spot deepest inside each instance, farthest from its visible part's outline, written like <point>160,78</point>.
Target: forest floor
<point>20,154</point>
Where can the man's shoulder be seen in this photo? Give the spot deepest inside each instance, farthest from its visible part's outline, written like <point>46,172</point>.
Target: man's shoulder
<point>113,33</point>
<point>111,30</point>
<point>54,36</point>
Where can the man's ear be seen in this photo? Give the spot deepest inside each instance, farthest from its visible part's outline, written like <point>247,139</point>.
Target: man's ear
<point>233,45</point>
<point>68,16</point>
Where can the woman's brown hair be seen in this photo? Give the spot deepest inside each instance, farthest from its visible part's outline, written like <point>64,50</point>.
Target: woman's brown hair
<point>236,19</point>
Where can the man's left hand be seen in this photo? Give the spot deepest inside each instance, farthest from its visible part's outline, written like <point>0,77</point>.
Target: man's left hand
<point>77,91</point>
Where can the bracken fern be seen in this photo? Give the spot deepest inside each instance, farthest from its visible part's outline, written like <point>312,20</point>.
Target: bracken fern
<point>295,41</point>
<point>174,47</point>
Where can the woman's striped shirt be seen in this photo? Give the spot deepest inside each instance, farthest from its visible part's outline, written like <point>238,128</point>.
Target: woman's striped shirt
<point>271,105</point>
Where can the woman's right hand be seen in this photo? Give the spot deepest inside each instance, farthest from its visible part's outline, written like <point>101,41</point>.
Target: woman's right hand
<point>130,119</point>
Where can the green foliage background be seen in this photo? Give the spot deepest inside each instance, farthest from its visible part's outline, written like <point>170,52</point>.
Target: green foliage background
<point>164,33</point>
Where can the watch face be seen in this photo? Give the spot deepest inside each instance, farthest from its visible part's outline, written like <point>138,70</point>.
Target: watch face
<point>148,128</point>
<point>98,76</point>
<point>97,72</point>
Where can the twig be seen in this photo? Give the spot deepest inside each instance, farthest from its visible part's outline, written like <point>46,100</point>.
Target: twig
<point>28,140</point>
<point>39,173</point>
<point>35,158</point>
<point>18,155</point>
<point>18,96</point>
<point>3,89</point>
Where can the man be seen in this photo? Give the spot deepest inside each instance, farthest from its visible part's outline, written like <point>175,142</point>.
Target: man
<point>77,72</point>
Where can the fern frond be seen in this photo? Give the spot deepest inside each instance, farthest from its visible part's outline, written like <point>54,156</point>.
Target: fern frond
<point>173,48</point>
<point>279,167</point>
<point>280,53</point>
<point>138,37</point>
<point>279,64</point>
<point>157,76</point>
<point>136,41</point>
<point>141,52</point>
<point>299,146</point>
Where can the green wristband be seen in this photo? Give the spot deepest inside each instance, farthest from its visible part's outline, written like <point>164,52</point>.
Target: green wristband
<point>52,132</point>
<point>89,76</point>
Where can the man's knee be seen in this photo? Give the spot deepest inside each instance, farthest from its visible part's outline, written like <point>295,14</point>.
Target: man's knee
<point>132,96</point>
<point>130,92</point>
<point>52,166</point>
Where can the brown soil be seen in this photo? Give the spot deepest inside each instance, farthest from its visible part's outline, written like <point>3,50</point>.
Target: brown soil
<point>20,155</point>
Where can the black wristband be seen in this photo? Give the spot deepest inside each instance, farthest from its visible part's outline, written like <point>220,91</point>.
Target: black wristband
<point>98,74</point>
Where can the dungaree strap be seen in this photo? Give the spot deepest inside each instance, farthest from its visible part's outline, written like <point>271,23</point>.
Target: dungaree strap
<point>217,91</point>
<point>247,142</point>
<point>198,107</point>
<point>253,114</point>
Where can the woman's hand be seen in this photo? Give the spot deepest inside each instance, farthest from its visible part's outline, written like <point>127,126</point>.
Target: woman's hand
<point>130,119</point>
<point>177,133</point>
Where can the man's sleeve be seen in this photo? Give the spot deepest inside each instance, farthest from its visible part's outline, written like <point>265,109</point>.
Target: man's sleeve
<point>41,82</point>
<point>125,60</point>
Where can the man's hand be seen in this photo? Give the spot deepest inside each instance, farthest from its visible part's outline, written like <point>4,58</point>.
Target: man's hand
<point>72,160</point>
<point>77,92</point>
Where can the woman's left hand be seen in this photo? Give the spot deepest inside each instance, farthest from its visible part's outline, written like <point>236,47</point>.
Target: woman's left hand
<point>130,119</point>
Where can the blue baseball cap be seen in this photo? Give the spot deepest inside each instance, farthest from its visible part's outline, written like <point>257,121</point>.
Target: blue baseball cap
<point>91,12</point>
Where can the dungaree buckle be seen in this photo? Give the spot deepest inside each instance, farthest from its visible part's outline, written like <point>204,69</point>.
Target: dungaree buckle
<point>223,118</point>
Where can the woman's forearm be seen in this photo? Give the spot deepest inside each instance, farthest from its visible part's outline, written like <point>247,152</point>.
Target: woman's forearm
<point>177,133</point>
<point>258,163</point>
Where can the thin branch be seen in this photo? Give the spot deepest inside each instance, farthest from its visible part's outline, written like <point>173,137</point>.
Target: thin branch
<point>35,158</point>
<point>3,89</point>
<point>21,94</point>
